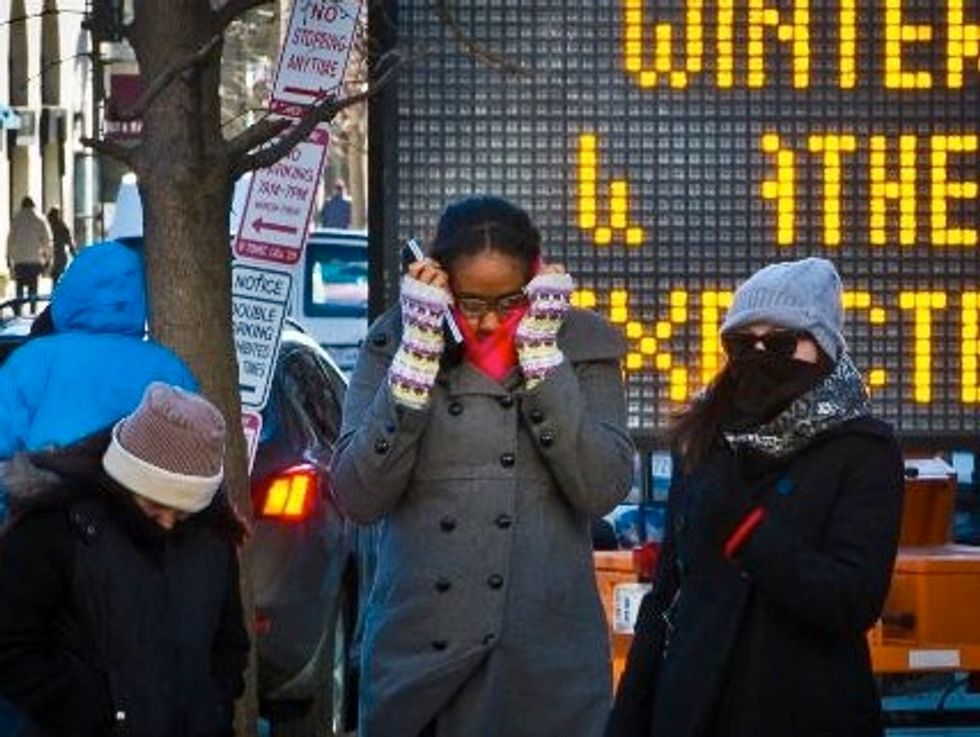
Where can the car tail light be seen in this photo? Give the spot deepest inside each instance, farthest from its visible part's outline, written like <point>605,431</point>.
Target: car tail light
<point>290,495</point>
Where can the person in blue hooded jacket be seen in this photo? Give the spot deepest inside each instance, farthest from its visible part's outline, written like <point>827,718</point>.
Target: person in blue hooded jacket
<point>93,368</point>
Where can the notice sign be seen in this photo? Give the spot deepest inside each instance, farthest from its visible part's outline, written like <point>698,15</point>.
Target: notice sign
<point>259,301</point>
<point>252,427</point>
<point>280,201</point>
<point>314,57</point>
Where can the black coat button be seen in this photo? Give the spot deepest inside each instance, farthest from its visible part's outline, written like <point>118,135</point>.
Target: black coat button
<point>547,438</point>
<point>381,446</point>
<point>495,581</point>
<point>487,639</point>
<point>506,402</point>
<point>537,416</point>
<point>380,340</point>
<point>455,409</point>
<point>507,460</point>
<point>447,524</point>
<point>443,585</point>
<point>439,645</point>
<point>504,521</point>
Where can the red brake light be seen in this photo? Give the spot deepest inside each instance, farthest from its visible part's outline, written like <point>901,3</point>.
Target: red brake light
<point>290,494</point>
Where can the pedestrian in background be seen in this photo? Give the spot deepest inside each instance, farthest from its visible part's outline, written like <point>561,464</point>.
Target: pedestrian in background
<point>486,461</point>
<point>783,523</point>
<point>28,252</point>
<point>120,610</point>
<point>336,212</point>
<point>64,245</point>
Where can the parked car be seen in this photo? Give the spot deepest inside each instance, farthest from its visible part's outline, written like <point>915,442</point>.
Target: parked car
<point>15,328</point>
<point>330,299</point>
<point>308,563</point>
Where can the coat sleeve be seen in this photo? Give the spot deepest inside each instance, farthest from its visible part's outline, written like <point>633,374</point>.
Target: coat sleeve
<point>632,710</point>
<point>54,687</point>
<point>378,443</point>
<point>230,652</point>
<point>839,586</point>
<point>577,417</point>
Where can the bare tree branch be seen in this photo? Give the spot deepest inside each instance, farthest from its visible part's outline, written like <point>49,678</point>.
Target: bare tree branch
<point>255,135</point>
<point>234,9</point>
<point>163,80</point>
<point>472,47</point>
<point>125,154</point>
<point>322,111</point>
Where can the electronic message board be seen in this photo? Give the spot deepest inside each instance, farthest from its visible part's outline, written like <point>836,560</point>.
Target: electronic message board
<point>668,148</point>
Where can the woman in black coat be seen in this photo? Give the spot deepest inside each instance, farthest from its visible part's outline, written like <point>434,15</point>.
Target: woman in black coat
<point>782,530</point>
<point>120,611</point>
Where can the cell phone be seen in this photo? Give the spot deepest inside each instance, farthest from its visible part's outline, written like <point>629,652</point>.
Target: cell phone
<point>417,254</point>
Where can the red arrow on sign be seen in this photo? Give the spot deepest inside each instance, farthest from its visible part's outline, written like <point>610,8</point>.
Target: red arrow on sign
<point>304,91</point>
<point>259,225</point>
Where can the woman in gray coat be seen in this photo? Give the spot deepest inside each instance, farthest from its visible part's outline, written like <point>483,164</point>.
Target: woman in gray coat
<point>485,462</point>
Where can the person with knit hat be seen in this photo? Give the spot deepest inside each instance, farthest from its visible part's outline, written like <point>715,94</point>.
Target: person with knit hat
<point>120,610</point>
<point>782,529</point>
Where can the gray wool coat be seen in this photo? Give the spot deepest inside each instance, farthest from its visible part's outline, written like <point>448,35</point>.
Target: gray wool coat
<point>484,619</point>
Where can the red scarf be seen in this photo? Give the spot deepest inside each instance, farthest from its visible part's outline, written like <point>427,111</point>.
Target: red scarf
<point>494,354</point>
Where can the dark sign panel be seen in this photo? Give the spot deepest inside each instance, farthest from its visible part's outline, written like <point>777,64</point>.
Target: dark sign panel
<point>668,149</point>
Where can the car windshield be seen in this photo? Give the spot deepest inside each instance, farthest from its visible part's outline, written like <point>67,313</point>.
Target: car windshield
<point>337,280</point>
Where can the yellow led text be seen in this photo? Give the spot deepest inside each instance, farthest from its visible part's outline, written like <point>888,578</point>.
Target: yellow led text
<point>588,198</point>
<point>944,190</point>
<point>922,305</point>
<point>664,70</point>
<point>782,189</point>
<point>654,56</point>
<point>900,189</point>
<point>970,338</point>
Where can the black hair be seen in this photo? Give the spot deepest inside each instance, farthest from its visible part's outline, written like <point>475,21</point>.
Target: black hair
<point>485,223</point>
<point>27,202</point>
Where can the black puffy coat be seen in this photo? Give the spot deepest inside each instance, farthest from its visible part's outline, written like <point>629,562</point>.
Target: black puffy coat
<point>774,641</point>
<point>109,625</point>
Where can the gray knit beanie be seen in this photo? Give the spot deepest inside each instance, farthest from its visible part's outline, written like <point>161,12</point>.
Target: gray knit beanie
<point>798,295</point>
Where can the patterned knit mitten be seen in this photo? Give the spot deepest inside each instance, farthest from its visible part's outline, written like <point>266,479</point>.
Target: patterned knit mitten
<point>537,334</point>
<point>414,368</point>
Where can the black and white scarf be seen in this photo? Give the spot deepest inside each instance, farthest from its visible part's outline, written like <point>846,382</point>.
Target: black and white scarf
<point>840,397</point>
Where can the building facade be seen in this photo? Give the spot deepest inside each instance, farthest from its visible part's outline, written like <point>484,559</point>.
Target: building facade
<point>46,108</point>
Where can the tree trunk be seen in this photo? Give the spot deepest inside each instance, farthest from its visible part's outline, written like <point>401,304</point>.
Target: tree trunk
<point>186,189</point>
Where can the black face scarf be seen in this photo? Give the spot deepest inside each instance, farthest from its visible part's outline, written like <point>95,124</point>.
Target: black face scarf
<point>764,383</point>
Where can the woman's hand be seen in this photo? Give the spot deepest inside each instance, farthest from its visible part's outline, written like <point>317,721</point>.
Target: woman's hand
<point>425,298</point>
<point>429,271</point>
<point>549,294</point>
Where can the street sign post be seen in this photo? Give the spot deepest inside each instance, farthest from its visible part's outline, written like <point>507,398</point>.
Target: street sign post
<point>280,201</point>
<point>259,299</point>
<point>276,216</point>
<point>314,57</point>
<point>252,427</point>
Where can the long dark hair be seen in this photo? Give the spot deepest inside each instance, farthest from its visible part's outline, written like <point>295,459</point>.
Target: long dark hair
<point>485,223</point>
<point>695,428</point>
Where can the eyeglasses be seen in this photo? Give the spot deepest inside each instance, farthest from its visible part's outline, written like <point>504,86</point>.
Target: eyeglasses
<point>477,307</point>
<point>778,342</point>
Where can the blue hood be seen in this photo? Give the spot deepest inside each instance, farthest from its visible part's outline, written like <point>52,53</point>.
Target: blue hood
<point>102,292</point>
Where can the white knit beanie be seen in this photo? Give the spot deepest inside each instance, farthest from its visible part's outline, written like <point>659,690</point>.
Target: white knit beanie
<point>170,450</point>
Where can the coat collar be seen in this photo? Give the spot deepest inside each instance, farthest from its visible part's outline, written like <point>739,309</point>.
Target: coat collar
<point>466,380</point>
